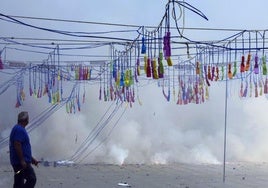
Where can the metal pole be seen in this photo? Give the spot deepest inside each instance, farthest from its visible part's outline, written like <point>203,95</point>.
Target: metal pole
<point>225,124</point>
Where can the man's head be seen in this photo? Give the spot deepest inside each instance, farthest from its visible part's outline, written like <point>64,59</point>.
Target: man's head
<point>23,118</point>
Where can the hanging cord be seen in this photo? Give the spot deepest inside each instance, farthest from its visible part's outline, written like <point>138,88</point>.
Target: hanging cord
<point>247,68</point>
<point>167,96</point>
<point>189,7</point>
<point>95,132</point>
<point>182,12</point>
<point>256,59</point>
<point>264,67</point>
<point>67,33</point>
<point>105,138</point>
<point>1,62</point>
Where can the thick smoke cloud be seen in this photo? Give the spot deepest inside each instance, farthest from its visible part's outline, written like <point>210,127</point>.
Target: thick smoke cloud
<point>157,131</point>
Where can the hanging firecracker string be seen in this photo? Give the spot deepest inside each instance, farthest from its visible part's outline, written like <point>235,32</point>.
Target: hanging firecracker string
<point>73,100</point>
<point>61,85</point>
<point>160,57</point>
<point>112,95</point>
<point>223,66</point>
<point>122,68</point>
<point>217,75</point>
<point>196,78</point>
<point>112,72</point>
<point>154,65</point>
<point>104,84</point>
<point>117,75</point>
<point>42,80</point>
<point>235,69</point>
<point>250,85</point>
<point>108,85</point>
<point>20,92</point>
<point>48,83</point>
<point>131,77</point>
<point>183,88</point>
<point>256,65</point>
<point>76,69</point>
<point>100,91</point>
<point>117,80</point>
<point>213,65</point>
<point>260,84</point>
<point>179,101</point>
<point>133,94</point>
<point>80,72</point>
<point>73,109</point>
<point>189,94</point>
<point>206,77</point>
<point>115,70</point>
<point>261,87</point>
<point>197,68</point>
<point>55,77</point>
<point>45,90</point>
<point>137,67</point>
<point>188,91</point>
<point>230,74</point>
<point>242,64</point>
<point>78,99</point>
<point>197,90</point>
<point>266,86</point>
<point>52,79</point>
<point>209,65</point>
<point>246,89</point>
<point>256,68</point>
<point>1,63</point>
<point>256,59</point>
<point>143,47</point>
<point>166,40</point>
<point>30,80</point>
<point>34,81</point>
<point>247,66</point>
<point>148,63</point>
<point>256,86</point>
<point>109,73</point>
<point>40,89</point>
<point>40,84</point>
<point>264,67</point>
<point>127,75</point>
<point>84,94</point>
<point>167,96</point>
<point>235,60</point>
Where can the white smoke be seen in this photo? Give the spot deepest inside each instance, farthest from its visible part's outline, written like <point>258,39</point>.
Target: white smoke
<point>119,154</point>
<point>158,131</point>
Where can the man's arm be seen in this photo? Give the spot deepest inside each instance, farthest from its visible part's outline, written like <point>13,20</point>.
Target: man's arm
<point>18,149</point>
<point>34,161</point>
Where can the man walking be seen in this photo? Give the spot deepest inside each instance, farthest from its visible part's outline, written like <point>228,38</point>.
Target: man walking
<point>21,154</point>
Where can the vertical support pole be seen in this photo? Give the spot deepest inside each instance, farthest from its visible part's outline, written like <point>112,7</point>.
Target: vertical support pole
<point>225,125</point>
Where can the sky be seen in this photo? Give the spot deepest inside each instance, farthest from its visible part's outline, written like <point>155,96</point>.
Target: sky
<point>156,131</point>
